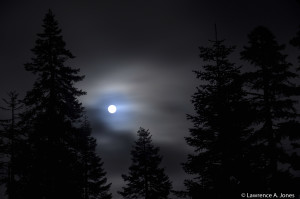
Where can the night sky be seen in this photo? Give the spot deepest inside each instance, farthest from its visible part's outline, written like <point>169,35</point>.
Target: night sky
<point>139,56</point>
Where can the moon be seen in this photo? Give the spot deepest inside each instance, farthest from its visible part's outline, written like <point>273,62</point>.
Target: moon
<point>112,109</point>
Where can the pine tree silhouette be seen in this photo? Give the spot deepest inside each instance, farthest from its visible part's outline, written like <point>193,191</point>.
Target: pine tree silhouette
<point>272,96</point>
<point>145,179</point>
<point>11,138</point>
<point>52,166</point>
<point>95,184</point>
<point>220,127</point>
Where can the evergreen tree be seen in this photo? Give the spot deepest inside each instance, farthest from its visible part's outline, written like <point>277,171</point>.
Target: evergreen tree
<point>11,138</point>
<point>145,179</point>
<point>51,119</point>
<point>220,127</point>
<point>272,96</point>
<point>94,181</point>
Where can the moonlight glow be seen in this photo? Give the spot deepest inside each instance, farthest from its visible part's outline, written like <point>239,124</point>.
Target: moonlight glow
<point>112,109</point>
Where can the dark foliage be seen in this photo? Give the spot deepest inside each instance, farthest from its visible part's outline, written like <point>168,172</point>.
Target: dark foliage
<point>55,165</point>
<point>95,184</point>
<point>220,130</point>
<point>145,179</point>
<point>273,97</point>
<point>11,141</point>
<point>51,110</point>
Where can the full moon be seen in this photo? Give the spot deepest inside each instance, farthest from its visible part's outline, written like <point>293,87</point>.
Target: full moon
<point>112,109</point>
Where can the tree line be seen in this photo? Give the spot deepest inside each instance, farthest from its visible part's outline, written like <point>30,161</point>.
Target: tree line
<point>246,127</point>
<point>245,130</point>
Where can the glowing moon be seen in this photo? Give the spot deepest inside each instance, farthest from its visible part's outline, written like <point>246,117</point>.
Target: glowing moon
<point>112,109</point>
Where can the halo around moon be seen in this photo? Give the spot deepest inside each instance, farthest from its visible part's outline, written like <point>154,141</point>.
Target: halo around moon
<point>112,109</point>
